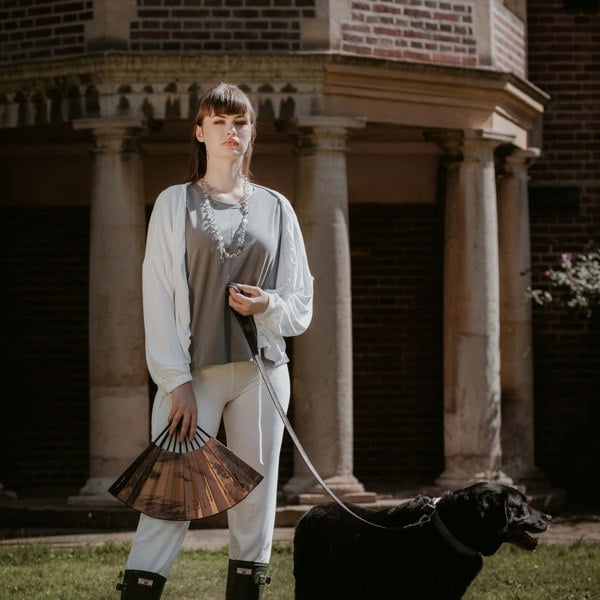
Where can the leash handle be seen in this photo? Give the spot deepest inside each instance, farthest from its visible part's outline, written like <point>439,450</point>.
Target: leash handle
<point>249,328</point>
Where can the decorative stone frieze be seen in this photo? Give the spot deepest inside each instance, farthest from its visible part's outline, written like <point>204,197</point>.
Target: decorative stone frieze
<point>280,87</point>
<point>149,88</point>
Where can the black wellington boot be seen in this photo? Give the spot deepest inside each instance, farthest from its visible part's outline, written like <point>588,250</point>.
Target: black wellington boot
<point>141,585</point>
<point>246,580</point>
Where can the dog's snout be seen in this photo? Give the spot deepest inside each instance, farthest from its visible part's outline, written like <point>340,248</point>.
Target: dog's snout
<point>545,516</point>
<point>540,515</point>
<point>544,520</point>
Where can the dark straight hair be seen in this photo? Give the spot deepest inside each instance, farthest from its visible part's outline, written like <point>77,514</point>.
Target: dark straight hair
<point>223,99</point>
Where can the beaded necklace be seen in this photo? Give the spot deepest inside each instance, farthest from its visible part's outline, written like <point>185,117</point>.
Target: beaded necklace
<point>239,238</point>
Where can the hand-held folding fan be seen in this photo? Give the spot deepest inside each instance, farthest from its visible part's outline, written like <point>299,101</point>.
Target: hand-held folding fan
<point>183,481</point>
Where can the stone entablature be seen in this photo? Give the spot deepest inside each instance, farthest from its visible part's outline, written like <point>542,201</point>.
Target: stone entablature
<point>152,87</point>
<point>281,87</point>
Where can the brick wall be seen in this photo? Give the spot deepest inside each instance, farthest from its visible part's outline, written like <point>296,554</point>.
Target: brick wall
<point>44,425</point>
<point>509,41</point>
<point>438,31</point>
<point>564,60</point>
<point>32,30</point>
<point>226,25</point>
<point>396,254</point>
<point>421,30</point>
<point>397,328</point>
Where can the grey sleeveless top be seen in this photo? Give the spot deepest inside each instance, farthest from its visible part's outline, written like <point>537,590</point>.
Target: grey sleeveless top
<point>217,337</point>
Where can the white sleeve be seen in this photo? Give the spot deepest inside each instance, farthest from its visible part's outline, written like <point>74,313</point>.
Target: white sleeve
<point>167,354</point>
<point>290,304</point>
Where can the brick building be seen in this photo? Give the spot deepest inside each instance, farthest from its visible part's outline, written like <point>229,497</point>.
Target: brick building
<point>439,153</point>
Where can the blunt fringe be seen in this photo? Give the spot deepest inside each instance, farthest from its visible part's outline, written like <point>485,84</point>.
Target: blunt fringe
<point>223,99</point>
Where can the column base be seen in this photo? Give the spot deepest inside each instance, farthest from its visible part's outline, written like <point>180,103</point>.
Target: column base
<point>302,489</point>
<point>531,478</point>
<point>533,483</point>
<point>454,480</point>
<point>95,493</point>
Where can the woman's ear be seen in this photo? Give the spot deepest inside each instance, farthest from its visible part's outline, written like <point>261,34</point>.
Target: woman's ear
<point>199,134</point>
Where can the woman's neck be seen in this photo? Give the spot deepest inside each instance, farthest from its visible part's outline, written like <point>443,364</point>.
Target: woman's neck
<point>224,178</point>
<point>225,185</point>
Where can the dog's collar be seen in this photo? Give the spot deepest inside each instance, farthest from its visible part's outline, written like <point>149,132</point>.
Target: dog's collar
<point>447,535</point>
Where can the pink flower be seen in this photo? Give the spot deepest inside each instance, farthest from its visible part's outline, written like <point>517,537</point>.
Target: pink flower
<point>566,257</point>
<point>548,274</point>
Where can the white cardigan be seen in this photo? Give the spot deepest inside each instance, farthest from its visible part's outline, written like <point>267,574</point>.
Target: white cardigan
<point>166,294</point>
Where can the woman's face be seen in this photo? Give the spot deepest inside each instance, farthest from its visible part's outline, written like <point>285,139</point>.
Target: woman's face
<point>225,136</point>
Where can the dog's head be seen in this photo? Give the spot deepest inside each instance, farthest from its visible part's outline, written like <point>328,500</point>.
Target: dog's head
<point>486,515</point>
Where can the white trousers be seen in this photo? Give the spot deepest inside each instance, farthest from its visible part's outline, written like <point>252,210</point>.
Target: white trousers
<point>254,432</point>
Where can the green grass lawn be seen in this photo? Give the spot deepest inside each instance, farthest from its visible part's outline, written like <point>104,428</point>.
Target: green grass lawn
<point>31,571</point>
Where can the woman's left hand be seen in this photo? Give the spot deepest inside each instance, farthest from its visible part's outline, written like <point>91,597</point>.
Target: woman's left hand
<point>253,300</point>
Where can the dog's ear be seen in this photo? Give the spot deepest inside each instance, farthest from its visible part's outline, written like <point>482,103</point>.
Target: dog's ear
<point>493,508</point>
<point>494,518</point>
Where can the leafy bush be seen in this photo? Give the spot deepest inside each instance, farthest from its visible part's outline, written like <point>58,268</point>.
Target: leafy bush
<point>576,282</point>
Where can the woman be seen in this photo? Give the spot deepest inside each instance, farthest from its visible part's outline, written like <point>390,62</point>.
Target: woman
<point>220,228</point>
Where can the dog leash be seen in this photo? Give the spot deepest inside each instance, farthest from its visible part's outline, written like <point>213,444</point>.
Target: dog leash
<point>249,328</point>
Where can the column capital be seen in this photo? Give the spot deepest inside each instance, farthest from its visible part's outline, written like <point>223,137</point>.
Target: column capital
<point>520,156</point>
<point>323,134</point>
<point>464,144</point>
<point>113,135</point>
<point>516,161</point>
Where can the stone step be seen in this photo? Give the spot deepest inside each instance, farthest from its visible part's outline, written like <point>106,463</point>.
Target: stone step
<point>45,513</point>
<point>57,513</point>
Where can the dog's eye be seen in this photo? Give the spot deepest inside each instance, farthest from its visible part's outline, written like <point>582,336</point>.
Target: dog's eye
<point>519,511</point>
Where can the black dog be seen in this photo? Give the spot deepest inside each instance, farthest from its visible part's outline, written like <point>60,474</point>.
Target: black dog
<point>429,548</point>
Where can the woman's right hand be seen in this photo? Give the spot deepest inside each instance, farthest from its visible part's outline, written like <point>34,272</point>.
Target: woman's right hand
<point>183,410</point>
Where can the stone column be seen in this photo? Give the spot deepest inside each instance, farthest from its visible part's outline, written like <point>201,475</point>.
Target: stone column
<point>119,406</point>
<point>472,410</point>
<point>516,373</point>
<point>323,355</point>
